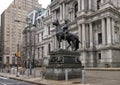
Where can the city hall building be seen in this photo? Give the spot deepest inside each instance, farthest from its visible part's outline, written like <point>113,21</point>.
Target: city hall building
<point>96,22</point>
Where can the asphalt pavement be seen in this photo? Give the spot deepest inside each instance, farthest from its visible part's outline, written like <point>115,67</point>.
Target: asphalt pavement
<point>95,76</point>
<point>7,81</point>
<point>103,77</point>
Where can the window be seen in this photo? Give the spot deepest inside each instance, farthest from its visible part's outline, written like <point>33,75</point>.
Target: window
<point>7,59</point>
<point>42,52</point>
<point>48,30</point>
<point>99,38</point>
<point>99,56</point>
<point>98,4</point>
<point>13,60</point>
<point>42,35</point>
<point>49,48</point>
<point>76,9</point>
<point>58,14</point>
<point>38,52</point>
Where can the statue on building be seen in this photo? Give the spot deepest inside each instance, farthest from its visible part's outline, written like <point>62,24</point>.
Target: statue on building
<point>63,34</point>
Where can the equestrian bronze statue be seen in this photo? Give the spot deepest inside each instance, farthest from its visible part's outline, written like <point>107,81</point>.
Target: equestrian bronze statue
<point>62,33</point>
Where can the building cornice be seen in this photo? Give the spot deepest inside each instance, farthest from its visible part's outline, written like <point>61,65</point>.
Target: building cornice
<point>85,17</point>
<point>109,9</point>
<point>101,47</point>
<point>54,3</point>
<point>47,18</point>
<point>43,42</point>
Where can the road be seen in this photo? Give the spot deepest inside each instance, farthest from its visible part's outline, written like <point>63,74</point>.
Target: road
<point>7,81</point>
<point>103,77</point>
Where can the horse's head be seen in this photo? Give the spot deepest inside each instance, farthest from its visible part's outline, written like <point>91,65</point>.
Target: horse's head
<point>56,22</point>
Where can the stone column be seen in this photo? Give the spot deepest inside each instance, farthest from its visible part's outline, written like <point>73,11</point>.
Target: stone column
<point>52,15</point>
<point>87,36</point>
<point>49,12</point>
<point>79,5</point>
<point>103,32</point>
<point>61,12</point>
<point>83,36</point>
<point>113,32</point>
<point>55,15</point>
<point>90,4</point>
<point>55,42</point>
<point>80,34</point>
<point>91,35</point>
<point>83,4</point>
<point>102,1</point>
<point>66,12</point>
<point>109,38</point>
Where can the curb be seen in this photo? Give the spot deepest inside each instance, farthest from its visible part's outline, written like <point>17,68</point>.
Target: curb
<point>27,81</point>
<point>33,82</point>
<point>102,69</point>
<point>17,78</point>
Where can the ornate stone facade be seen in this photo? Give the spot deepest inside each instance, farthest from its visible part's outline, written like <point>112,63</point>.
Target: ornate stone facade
<point>96,22</point>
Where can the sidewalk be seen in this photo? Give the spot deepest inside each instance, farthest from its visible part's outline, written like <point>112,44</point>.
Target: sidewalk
<point>102,69</point>
<point>40,81</point>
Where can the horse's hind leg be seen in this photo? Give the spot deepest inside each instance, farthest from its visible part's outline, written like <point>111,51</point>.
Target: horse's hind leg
<point>68,46</point>
<point>58,42</point>
<point>59,45</point>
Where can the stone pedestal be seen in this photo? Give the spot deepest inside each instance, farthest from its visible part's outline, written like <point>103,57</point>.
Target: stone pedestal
<point>61,61</point>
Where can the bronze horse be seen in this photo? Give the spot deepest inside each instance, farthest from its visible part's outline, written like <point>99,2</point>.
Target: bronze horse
<point>72,39</point>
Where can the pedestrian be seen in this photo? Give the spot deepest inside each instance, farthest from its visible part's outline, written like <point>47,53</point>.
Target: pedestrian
<point>43,72</point>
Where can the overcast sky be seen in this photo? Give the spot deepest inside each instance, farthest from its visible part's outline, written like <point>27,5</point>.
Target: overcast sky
<point>5,3</point>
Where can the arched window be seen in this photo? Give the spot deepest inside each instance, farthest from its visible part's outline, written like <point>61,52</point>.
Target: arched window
<point>76,9</point>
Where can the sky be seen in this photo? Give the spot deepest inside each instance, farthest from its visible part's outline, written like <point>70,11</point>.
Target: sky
<point>5,3</point>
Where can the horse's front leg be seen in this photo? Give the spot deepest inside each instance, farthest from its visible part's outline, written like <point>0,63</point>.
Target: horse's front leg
<point>59,44</point>
<point>68,45</point>
<point>58,41</point>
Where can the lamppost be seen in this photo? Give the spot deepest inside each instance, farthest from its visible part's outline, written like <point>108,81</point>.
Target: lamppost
<point>30,43</point>
<point>18,56</point>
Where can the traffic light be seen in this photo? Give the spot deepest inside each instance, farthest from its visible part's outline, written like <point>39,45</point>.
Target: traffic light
<point>18,54</point>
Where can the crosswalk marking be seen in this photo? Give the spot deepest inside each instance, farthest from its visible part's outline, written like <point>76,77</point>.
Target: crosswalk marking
<point>3,78</point>
<point>2,83</point>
